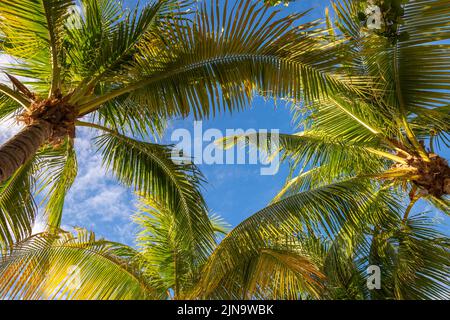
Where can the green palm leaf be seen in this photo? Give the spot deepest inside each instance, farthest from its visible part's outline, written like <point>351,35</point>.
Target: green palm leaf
<point>404,86</point>
<point>56,180</point>
<point>8,107</point>
<point>414,260</point>
<point>279,271</point>
<point>17,207</point>
<point>66,266</point>
<point>172,254</point>
<point>149,168</point>
<point>109,35</point>
<point>323,209</point>
<point>28,30</point>
<point>219,62</point>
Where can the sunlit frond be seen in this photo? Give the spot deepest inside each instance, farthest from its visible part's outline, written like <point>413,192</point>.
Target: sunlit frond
<point>323,209</point>
<point>66,266</point>
<point>17,207</point>
<point>8,107</point>
<point>408,90</point>
<point>172,254</point>
<point>103,38</point>
<point>33,32</point>
<point>279,271</point>
<point>414,259</point>
<point>224,56</point>
<point>128,117</point>
<point>59,174</point>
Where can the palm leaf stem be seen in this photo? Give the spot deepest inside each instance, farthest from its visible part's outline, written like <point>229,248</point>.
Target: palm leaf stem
<point>409,133</point>
<point>14,95</point>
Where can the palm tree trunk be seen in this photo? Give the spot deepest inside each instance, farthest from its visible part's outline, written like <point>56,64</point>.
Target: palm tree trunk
<point>20,148</point>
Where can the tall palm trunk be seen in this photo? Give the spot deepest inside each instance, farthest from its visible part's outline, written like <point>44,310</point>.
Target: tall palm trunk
<point>22,147</point>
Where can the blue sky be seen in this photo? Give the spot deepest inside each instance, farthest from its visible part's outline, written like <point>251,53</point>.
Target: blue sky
<point>99,203</point>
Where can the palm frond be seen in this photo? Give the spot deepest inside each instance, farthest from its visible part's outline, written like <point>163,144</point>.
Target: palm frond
<point>433,124</point>
<point>66,266</point>
<point>329,155</point>
<point>128,117</point>
<point>326,245</point>
<point>442,204</point>
<point>414,260</point>
<point>32,31</point>
<point>171,254</point>
<point>224,56</point>
<point>282,270</point>
<point>404,86</point>
<point>109,36</point>
<point>8,107</point>
<point>149,168</point>
<point>324,210</point>
<point>17,207</point>
<point>56,180</point>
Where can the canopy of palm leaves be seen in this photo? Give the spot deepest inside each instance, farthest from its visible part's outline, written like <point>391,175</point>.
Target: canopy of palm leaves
<point>394,132</point>
<point>359,158</point>
<point>360,153</point>
<point>323,259</point>
<point>318,244</point>
<point>169,264</point>
<point>126,72</point>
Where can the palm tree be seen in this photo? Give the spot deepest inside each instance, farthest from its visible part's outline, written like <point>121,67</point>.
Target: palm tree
<point>381,135</point>
<point>320,243</point>
<point>360,164</point>
<point>123,73</point>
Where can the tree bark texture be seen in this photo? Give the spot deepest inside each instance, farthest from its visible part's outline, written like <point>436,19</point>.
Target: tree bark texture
<point>20,148</point>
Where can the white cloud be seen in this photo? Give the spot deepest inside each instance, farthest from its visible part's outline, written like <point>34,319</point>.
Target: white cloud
<point>39,226</point>
<point>96,201</point>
